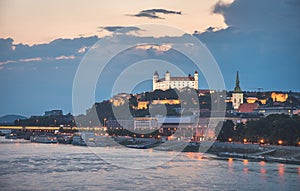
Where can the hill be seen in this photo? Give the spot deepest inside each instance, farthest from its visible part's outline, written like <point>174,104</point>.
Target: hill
<point>9,119</point>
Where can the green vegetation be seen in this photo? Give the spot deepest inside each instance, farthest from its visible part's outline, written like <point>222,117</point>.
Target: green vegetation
<point>105,110</point>
<point>271,129</point>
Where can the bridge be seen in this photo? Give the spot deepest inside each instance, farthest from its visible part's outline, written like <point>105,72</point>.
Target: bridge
<point>50,129</point>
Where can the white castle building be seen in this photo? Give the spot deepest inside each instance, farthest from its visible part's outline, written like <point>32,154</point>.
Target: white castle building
<point>169,82</point>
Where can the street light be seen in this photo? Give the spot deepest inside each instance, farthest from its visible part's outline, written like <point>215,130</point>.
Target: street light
<point>262,141</point>
<point>280,142</point>
<point>104,120</point>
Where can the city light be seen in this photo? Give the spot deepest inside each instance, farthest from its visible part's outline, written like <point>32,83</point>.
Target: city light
<point>245,140</point>
<point>262,141</point>
<point>230,140</point>
<point>280,142</point>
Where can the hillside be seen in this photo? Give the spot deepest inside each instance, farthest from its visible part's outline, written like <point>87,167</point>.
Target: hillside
<point>9,119</point>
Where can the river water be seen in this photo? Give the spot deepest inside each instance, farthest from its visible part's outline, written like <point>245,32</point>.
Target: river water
<point>33,166</point>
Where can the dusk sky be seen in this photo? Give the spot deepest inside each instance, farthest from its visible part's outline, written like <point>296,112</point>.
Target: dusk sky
<point>43,42</point>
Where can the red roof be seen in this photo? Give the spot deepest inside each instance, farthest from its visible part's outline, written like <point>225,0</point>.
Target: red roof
<point>248,107</point>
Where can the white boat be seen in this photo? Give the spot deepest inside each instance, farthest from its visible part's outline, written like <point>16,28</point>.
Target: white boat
<point>93,139</point>
<point>43,139</point>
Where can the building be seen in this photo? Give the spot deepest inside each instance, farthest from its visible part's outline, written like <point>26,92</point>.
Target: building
<point>53,113</point>
<point>166,101</point>
<point>145,123</point>
<point>169,82</point>
<point>276,110</point>
<point>248,107</point>
<point>237,95</point>
<point>279,97</point>
<point>120,99</point>
<point>119,124</point>
<point>143,104</point>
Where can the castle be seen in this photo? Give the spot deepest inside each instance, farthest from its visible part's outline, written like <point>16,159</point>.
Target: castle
<point>169,82</point>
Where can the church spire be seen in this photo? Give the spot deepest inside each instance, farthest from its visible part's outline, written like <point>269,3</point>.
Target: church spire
<point>237,83</point>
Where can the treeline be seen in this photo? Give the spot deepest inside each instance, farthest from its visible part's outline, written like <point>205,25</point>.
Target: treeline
<point>274,129</point>
<point>47,121</point>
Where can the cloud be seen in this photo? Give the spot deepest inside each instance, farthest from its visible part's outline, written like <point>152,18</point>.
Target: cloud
<point>7,62</point>
<point>262,42</point>
<point>159,48</point>
<point>83,49</point>
<point>152,13</point>
<point>18,53</point>
<point>65,57</point>
<point>119,29</point>
<point>111,28</point>
<point>164,11</point>
<point>267,15</point>
<point>31,59</point>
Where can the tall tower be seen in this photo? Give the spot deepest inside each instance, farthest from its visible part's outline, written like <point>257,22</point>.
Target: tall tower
<point>237,95</point>
<point>167,76</point>
<point>167,80</point>
<point>196,80</point>
<point>155,80</point>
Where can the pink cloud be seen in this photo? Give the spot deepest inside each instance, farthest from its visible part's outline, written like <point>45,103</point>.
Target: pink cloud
<point>7,62</point>
<point>31,59</point>
<point>65,57</point>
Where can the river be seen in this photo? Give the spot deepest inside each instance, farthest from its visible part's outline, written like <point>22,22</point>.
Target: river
<point>33,166</point>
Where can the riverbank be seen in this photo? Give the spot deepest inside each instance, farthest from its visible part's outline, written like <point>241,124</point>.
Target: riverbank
<point>280,151</point>
<point>223,150</point>
<point>256,152</point>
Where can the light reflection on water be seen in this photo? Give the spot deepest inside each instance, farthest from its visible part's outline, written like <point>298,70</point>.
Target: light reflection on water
<point>246,170</point>
<point>280,170</point>
<point>36,166</point>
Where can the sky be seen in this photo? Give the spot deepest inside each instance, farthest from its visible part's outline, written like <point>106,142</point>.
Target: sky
<point>42,44</point>
<point>34,22</point>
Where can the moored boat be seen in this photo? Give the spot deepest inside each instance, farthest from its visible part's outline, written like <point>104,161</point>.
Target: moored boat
<point>43,139</point>
<point>78,140</point>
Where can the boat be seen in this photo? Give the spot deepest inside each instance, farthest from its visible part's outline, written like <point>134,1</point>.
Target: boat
<point>64,139</point>
<point>11,136</point>
<point>77,140</point>
<point>94,139</point>
<point>43,139</point>
<point>145,145</point>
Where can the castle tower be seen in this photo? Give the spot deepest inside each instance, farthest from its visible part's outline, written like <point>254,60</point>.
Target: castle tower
<point>237,95</point>
<point>167,76</point>
<point>196,80</point>
<point>155,80</point>
<point>167,80</point>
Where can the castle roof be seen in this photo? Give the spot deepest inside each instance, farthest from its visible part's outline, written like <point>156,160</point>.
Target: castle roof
<point>188,78</point>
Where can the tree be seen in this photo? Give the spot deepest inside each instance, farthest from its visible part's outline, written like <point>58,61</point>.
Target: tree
<point>227,131</point>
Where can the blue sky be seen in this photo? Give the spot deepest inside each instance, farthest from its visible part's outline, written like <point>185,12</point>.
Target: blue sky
<point>258,38</point>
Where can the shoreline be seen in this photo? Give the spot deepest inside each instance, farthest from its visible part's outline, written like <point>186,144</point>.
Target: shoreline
<point>223,150</point>
<point>256,152</point>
